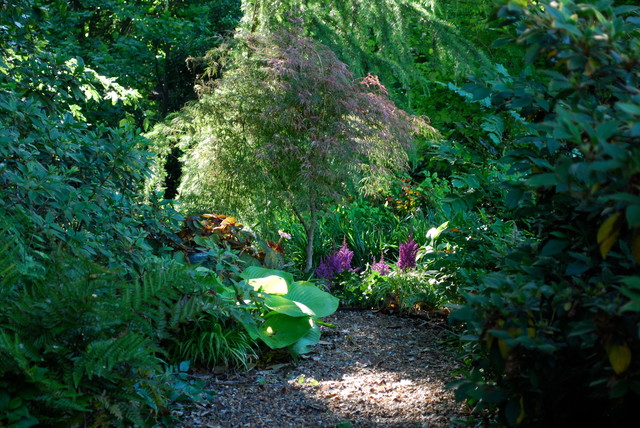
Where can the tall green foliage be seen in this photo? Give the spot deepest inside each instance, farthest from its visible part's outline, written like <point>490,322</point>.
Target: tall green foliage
<point>405,42</point>
<point>561,313</point>
<point>82,344</point>
<point>288,126</point>
<point>146,45</point>
<point>67,180</point>
<point>82,328</point>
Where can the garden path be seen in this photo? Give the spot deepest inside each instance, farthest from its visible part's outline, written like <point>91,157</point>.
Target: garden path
<point>373,370</point>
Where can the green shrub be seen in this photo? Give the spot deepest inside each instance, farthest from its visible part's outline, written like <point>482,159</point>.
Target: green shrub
<point>66,183</point>
<point>551,336</point>
<point>88,309</point>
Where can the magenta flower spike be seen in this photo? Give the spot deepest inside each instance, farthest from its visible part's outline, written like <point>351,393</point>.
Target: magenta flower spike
<point>381,266</point>
<point>408,254</point>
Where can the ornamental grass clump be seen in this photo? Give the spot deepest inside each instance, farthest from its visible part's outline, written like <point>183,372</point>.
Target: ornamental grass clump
<point>408,254</point>
<point>335,263</point>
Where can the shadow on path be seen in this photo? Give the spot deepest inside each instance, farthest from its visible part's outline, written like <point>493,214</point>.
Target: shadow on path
<point>373,370</point>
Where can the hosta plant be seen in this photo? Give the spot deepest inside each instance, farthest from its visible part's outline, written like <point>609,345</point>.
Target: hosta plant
<point>288,312</point>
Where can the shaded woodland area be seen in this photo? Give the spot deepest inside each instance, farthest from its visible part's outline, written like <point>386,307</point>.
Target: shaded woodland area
<point>194,185</point>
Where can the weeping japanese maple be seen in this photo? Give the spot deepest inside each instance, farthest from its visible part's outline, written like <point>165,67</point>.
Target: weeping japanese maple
<point>289,126</point>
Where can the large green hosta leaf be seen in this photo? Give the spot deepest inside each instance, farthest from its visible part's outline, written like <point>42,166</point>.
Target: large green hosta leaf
<point>311,337</point>
<point>295,306</point>
<point>320,302</point>
<point>271,284</point>
<point>280,330</point>
<point>288,307</point>
<point>253,272</point>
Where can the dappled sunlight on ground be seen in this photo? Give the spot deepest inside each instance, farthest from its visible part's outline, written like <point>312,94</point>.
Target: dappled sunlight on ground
<point>373,370</point>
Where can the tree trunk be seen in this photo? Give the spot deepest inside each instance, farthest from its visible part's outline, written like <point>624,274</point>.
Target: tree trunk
<point>311,232</point>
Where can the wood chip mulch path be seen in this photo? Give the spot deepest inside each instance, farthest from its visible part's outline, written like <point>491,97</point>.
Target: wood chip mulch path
<point>373,370</point>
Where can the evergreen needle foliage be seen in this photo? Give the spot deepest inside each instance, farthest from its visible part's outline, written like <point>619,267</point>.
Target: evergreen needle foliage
<point>390,38</point>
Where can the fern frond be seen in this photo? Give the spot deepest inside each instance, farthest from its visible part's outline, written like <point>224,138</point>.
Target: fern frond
<point>101,357</point>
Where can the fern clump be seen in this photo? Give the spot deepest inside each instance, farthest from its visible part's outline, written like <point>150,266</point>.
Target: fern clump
<point>85,344</point>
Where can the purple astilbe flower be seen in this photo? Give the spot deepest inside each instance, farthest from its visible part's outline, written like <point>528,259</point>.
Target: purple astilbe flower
<point>344,256</point>
<point>408,254</point>
<point>381,266</point>
<point>335,263</point>
<point>328,268</point>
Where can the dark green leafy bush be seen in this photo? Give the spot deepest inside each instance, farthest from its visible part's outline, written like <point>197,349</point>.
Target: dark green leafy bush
<point>84,344</point>
<point>88,309</point>
<point>552,336</point>
<point>69,184</point>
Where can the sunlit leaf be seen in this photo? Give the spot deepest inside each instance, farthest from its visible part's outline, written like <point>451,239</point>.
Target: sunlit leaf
<point>320,302</point>
<point>619,357</point>
<point>259,272</point>
<point>228,221</point>
<point>286,306</point>
<point>271,284</point>
<point>281,330</point>
<point>608,233</point>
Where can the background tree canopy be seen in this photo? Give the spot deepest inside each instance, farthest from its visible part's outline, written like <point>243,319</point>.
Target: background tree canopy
<point>408,44</point>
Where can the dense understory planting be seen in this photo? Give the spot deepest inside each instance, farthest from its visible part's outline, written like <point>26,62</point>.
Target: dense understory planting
<point>513,201</point>
<point>287,128</point>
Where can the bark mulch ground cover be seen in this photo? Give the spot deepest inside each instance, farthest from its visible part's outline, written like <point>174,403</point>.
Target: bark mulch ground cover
<point>372,370</point>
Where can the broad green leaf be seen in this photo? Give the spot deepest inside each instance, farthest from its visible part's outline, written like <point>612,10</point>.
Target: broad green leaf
<point>286,306</point>
<point>320,302</point>
<point>248,322</point>
<point>625,9</point>
<point>542,180</point>
<point>259,272</point>
<point>309,339</point>
<point>633,109</point>
<point>271,284</point>
<point>513,197</point>
<point>280,331</point>
<point>632,281</point>
<point>457,183</point>
<point>632,306</point>
<point>606,130</point>
<point>553,247</point>
<point>606,166</point>
<point>633,215</point>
